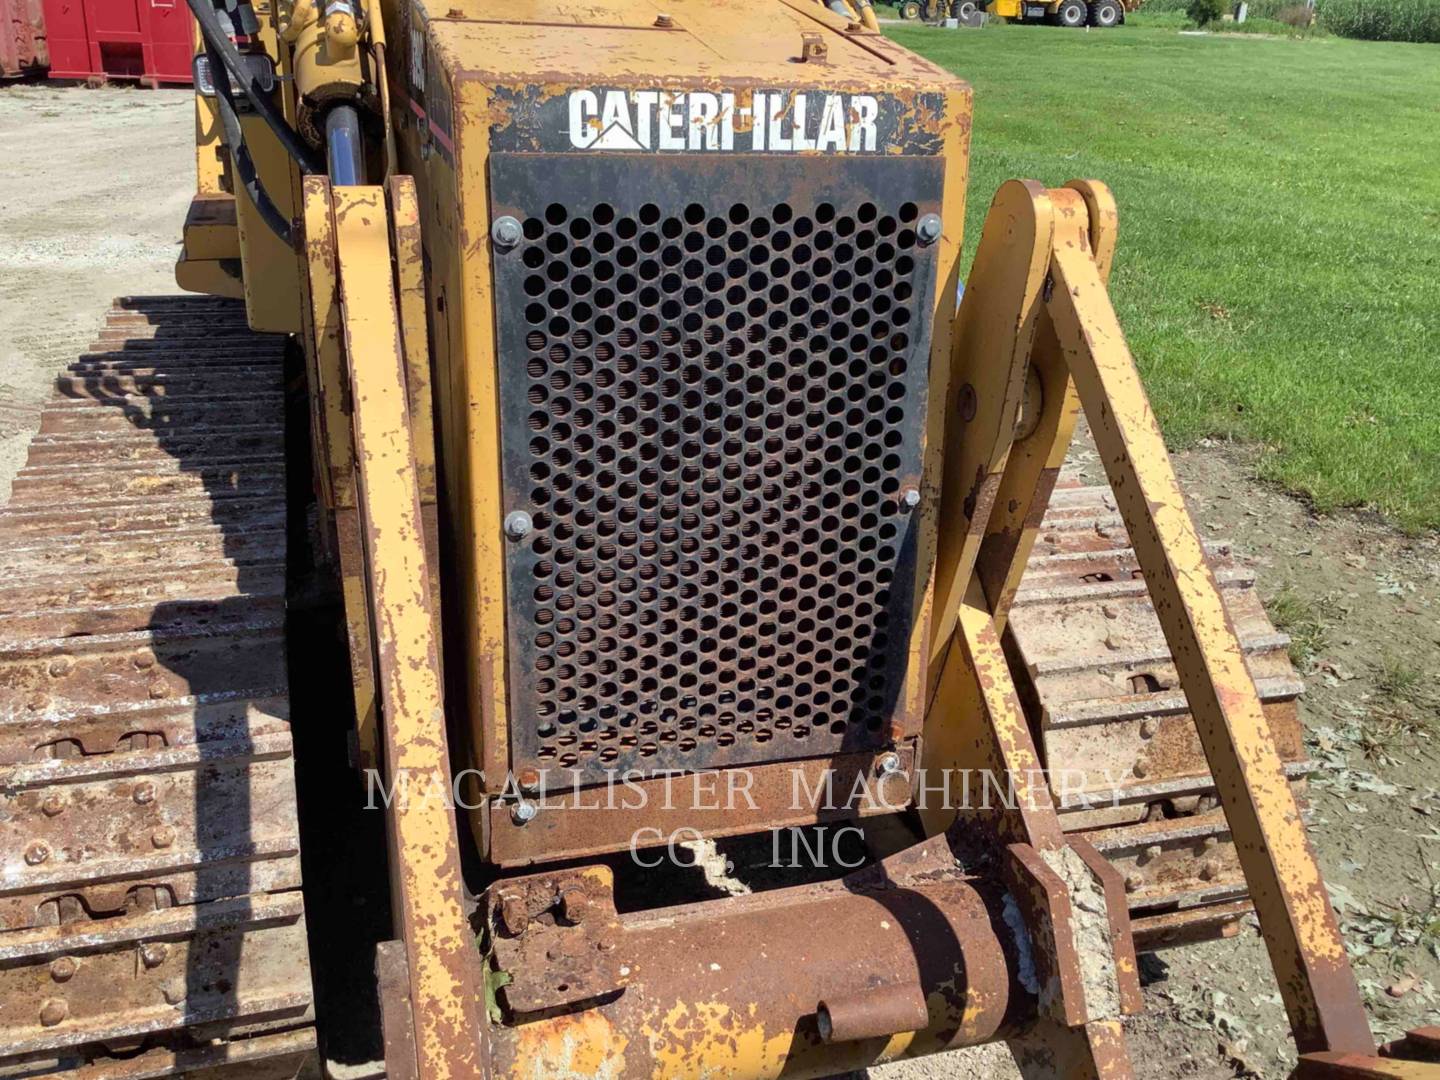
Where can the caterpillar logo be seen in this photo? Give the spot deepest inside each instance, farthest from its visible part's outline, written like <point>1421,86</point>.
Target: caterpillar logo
<point>698,121</point>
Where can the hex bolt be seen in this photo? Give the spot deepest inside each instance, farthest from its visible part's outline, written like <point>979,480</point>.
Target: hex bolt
<point>1141,770</point>
<point>518,524</point>
<point>163,837</point>
<point>664,22</point>
<point>63,968</point>
<point>514,915</point>
<point>1134,883</point>
<point>888,765</point>
<point>524,812</point>
<point>928,229</point>
<point>529,779</point>
<point>144,661</point>
<point>506,232</point>
<point>154,954</point>
<point>61,665</point>
<point>574,905</point>
<point>53,1011</point>
<point>1148,727</point>
<point>1152,852</point>
<point>37,853</point>
<point>53,804</point>
<point>910,497</point>
<point>144,792</point>
<point>1210,870</point>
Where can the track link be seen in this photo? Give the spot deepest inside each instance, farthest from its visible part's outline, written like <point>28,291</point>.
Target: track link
<point>151,921</point>
<point>1114,727</point>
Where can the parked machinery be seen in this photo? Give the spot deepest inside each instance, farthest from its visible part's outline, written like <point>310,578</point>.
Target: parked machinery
<point>646,444</point>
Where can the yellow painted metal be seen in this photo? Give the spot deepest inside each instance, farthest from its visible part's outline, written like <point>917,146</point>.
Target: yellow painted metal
<point>330,413</point>
<point>410,296</point>
<point>1296,918</point>
<point>426,883</point>
<point>1035,457</point>
<point>995,328</point>
<point>475,411</point>
<point>210,277</point>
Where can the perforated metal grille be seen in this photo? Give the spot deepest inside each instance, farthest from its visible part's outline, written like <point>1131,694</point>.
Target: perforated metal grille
<point>713,412</point>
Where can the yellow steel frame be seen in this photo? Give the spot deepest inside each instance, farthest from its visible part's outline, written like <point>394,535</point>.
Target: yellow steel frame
<point>351,236</point>
<point>1079,354</point>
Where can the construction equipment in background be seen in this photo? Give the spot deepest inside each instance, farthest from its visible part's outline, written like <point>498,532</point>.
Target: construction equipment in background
<point>1099,13</point>
<point>639,432</point>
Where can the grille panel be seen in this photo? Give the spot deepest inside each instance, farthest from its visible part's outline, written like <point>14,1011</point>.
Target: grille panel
<point>712,407</point>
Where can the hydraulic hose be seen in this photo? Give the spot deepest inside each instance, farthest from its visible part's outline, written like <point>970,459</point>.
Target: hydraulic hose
<point>244,164</point>
<point>218,41</point>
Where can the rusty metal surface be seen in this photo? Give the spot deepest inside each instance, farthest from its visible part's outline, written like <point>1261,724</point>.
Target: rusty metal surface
<point>23,45</point>
<point>149,859</point>
<point>1299,926</point>
<point>873,1013</point>
<point>1104,695</point>
<point>713,803</point>
<point>733,987</point>
<point>425,867</point>
<point>712,411</point>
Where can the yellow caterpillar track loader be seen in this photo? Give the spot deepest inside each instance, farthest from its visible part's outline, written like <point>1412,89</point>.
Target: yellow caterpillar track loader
<point>745,685</point>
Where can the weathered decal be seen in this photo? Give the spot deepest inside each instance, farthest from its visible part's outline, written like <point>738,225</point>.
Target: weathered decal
<point>663,120</point>
<point>698,120</point>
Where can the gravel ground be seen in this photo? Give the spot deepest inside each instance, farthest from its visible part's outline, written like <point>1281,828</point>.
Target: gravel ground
<point>92,197</point>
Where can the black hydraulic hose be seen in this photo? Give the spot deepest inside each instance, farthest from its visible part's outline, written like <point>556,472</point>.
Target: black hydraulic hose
<point>244,165</point>
<point>228,59</point>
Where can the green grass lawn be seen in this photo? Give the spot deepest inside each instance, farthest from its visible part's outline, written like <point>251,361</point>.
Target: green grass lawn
<point>1278,272</point>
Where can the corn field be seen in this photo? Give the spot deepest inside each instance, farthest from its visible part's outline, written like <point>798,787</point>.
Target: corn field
<point>1369,20</point>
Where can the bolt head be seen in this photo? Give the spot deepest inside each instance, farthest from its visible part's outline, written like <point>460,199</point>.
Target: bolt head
<point>163,837</point>
<point>1141,770</point>
<point>1134,883</point>
<point>1210,870</point>
<point>514,915</point>
<point>506,232</point>
<point>529,779</point>
<point>910,498</point>
<point>154,954</point>
<point>1152,852</point>
<point>524,812</point>
<point>52,805</point>
<point>888,765</point>
<point>575,904</point>
<point>144,792</point>
<point>37,853</point>
<point>928,229</point>
<point>518,524</point>
<point>53,1011</point>
<point>61,665</point>
<point>664,22</point>
<point>63,968</point>
<point>144,661</point>
<point>1148,727</point>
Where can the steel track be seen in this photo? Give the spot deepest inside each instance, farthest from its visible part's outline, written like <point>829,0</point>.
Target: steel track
<point>150,885</point>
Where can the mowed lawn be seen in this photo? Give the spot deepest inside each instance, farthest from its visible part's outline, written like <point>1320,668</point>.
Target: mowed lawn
<point>1278,271</point>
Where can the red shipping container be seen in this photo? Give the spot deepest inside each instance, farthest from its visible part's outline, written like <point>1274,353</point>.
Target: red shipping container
<point>148,40</point>
<point>22,38</point>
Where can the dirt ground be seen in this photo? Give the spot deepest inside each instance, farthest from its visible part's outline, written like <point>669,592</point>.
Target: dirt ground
<point>92,194</point>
